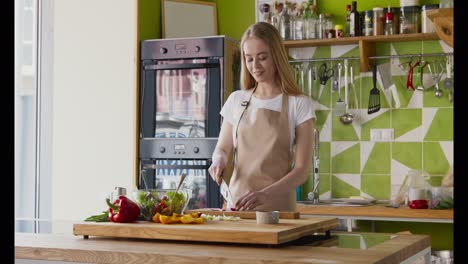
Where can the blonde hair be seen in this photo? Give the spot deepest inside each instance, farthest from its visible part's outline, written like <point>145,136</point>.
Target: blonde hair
<point>271,37</point>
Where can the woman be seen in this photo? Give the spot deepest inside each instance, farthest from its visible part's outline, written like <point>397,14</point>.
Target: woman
<point>268,125</point>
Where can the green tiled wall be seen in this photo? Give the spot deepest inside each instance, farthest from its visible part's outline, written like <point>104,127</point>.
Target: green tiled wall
<point>350,163</point>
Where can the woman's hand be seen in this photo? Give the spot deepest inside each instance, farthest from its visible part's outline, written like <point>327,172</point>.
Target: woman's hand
<point>216,169</point>
<point>250,200</point>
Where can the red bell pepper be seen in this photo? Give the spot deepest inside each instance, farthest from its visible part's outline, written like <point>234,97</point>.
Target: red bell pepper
<point>123,210</point>
<point>418,204</point>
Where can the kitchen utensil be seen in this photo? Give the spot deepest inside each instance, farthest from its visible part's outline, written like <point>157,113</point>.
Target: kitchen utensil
<point>226,193</point>
<point>182,178</point>
<point>436,75</point>
<point>374,95</point>
<point>324,74</point>
<point>448,82</point>
<point>409,78</point>
<point>355,104</point>
<point>347,118</point>
<point>418,76</point>
<point>335,83</point>
<point>340,105</point>
<point>385,73</point>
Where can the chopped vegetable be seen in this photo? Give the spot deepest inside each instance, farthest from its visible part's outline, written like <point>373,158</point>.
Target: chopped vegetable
<point>220,217</point>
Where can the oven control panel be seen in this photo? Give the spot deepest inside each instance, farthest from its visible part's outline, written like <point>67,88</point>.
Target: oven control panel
<point>177,148</point>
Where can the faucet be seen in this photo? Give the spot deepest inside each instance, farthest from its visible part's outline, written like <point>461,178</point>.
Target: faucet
<point>314,195</point>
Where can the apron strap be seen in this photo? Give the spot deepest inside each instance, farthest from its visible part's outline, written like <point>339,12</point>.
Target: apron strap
<point>245,104</point>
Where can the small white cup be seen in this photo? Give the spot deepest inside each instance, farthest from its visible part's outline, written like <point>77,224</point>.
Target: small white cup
<point>270,217</point>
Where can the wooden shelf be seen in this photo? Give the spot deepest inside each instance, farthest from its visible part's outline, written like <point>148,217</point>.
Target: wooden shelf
<point>366,43</point>
<point>443,22</point>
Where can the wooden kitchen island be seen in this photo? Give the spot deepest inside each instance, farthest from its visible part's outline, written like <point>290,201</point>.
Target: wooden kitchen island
<point>339,247</point>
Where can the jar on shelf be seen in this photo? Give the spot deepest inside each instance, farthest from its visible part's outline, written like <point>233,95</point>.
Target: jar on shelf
<point>410,19</point>
<point>378,21</point>
<point>427,26</point>
<point>388,26</point>
<point>329,28</point>
<point>339,31</point>
<point>367,26</point>
<point>396,18</point>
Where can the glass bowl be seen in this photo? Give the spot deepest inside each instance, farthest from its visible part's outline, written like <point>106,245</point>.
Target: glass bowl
<point>163,201</point>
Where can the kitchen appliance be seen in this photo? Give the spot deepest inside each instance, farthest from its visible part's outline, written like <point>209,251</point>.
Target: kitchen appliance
<point>183,85</point>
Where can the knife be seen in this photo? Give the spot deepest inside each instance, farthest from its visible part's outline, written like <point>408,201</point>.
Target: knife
<point>226,193</point>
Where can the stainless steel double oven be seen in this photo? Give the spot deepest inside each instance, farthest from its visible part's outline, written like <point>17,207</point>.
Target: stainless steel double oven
<point>183,85</point>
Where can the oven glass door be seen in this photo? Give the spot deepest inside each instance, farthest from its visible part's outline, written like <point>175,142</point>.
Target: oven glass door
<point>182,93</point>
<point>168,174</point>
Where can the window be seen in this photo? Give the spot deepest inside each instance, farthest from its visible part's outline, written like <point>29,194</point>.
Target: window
<point>33,93</point>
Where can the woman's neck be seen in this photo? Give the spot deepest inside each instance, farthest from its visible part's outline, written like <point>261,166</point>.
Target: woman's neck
<point>267,90</point>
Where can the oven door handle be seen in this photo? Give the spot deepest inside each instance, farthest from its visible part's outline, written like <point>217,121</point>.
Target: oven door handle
<point>180,66</point>
<point>181,166</point>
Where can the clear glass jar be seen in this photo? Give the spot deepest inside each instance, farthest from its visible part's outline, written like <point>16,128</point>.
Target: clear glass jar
<point>367,26</point>
<point>388,28</point>
<point>311,26</point>
<point>427,26</point>
<point>378,21</point>
<point>396,18</point>
<point>410,19</point>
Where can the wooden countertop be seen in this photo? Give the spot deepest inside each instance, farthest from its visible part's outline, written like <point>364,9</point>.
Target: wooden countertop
<point>377,210</point>
<point>66,247</point>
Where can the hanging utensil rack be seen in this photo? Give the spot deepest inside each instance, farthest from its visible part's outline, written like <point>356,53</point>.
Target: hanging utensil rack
<point>420,55</point>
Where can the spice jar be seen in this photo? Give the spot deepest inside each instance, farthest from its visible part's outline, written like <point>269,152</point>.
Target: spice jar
<point>338,31</point>
<point>378,21</point>
<point>410,19</point>
<point>427,26</point>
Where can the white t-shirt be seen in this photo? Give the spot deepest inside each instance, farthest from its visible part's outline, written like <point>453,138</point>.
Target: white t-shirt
<point>300,110</point>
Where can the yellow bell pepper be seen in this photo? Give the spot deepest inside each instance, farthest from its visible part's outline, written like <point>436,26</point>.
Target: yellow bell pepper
<point>169,219</point>
<point>156,218</point>
<point>191,220</point>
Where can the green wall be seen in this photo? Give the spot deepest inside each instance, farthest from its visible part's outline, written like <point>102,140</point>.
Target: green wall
<point>374,179</point>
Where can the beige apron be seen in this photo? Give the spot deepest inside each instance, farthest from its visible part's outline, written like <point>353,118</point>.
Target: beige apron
<point>263,156</point>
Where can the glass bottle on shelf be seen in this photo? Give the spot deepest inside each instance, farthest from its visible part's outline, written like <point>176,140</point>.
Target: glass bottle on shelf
<point>276,13</point>
<point>320,26</point>
<point>311,23</point>
<point>348,21</point>
<point>285,23</point>
<point>388,23</point>
<point>354,20</point>
<point>298,22</point>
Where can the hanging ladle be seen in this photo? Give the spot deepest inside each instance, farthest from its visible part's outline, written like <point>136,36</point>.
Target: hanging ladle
<point>436,78</point>
<point>347,118</point>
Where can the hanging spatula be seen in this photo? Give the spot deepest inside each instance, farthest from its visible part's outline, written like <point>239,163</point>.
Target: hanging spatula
<point>374,96</point>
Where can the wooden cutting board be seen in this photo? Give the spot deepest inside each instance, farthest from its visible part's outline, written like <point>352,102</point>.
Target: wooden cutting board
<point>242,231</point>
<point>242,214</point>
